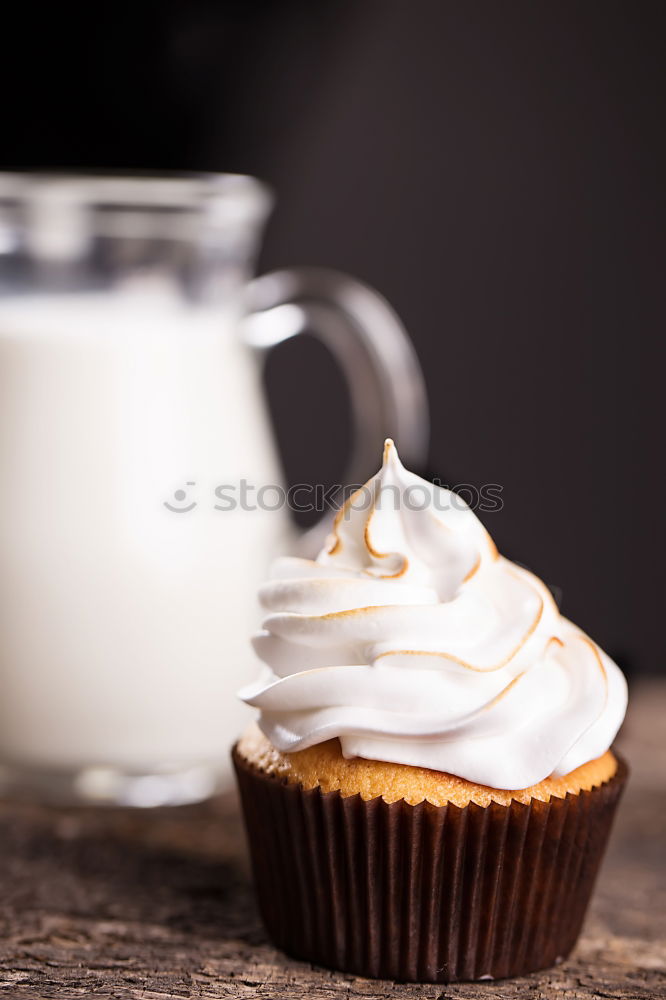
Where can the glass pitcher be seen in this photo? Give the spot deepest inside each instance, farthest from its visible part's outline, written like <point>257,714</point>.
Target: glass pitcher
<point>131,411</point>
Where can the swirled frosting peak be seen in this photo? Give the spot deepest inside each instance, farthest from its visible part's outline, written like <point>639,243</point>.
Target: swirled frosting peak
<point>414,642</point>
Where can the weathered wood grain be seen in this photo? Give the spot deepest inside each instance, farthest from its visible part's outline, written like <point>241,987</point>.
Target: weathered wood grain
<point>158,904</point>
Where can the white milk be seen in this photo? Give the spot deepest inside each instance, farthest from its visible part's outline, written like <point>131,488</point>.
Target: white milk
<point>123,626</point>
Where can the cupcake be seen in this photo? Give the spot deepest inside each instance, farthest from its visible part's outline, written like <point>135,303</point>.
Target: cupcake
<point>430,787</point>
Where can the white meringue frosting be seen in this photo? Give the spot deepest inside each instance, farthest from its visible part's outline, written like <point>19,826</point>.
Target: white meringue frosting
<point>414,642</point>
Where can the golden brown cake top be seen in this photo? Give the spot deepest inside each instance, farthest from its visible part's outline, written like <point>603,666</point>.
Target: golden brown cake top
<point>324,766</point>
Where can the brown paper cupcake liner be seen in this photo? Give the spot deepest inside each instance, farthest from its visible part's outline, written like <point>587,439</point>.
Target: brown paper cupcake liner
<point>423,893</point>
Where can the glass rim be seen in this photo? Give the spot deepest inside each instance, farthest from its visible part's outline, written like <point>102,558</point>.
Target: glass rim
<point>222,197</point>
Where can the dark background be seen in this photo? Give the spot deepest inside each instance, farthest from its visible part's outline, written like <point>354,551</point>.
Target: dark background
<point>495,169</point>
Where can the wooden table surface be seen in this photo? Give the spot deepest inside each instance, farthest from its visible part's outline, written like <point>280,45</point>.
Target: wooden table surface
<point>158,904</point>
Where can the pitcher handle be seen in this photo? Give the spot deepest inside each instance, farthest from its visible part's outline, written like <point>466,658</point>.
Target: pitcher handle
<point>365,336</point>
